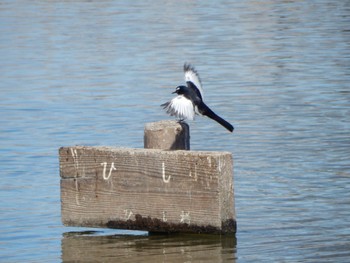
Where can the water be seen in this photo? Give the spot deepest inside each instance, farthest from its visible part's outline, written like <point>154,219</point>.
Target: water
<point>94,72</point>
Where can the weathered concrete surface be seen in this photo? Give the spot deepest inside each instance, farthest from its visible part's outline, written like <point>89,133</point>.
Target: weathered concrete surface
<point>147,189</point>
<point>167,135</point>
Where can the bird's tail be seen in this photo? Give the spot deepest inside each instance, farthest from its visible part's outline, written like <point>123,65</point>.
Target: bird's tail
<point>205,110</point>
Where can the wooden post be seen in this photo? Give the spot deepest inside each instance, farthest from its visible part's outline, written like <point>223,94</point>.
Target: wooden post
<point>167,135</point>
<point>147,189</point>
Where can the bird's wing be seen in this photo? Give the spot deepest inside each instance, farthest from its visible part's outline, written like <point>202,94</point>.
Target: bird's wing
<point>180,107</point>
<point>192,79</point>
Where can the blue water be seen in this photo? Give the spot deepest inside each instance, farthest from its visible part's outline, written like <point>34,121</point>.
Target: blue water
<point>94,72</point>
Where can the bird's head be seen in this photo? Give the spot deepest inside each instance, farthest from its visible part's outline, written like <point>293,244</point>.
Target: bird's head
<point>180,90</point>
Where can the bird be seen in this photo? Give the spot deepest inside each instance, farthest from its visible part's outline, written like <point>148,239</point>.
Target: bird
<point>189,100</point>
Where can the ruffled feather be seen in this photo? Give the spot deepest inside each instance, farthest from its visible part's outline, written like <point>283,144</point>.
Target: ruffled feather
<point>180,107</point>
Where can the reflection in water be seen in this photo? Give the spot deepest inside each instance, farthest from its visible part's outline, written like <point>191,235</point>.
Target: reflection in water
<point>91,247</point>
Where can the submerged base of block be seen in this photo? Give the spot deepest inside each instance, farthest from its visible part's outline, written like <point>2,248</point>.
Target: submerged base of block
<point>157,225</point>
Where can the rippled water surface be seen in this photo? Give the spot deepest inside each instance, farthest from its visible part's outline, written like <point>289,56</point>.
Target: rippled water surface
<point>94,72</point>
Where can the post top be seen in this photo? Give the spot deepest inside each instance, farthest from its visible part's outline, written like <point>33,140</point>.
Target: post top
<point>159,125</point>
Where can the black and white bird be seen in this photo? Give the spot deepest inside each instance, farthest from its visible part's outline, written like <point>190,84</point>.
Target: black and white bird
<point>189,100</point>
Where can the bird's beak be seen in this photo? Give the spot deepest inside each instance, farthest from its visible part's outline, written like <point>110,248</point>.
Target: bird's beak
<point>173,92</point>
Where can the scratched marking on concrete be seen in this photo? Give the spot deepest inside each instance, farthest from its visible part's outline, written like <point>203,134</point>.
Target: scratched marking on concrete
<point>185,217</point>
<point>164,216</point>
<point>75,158</point>
<point>165,180</point>
<point>128,214</point>
<point>76,166</point>
<point>105,164</point>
